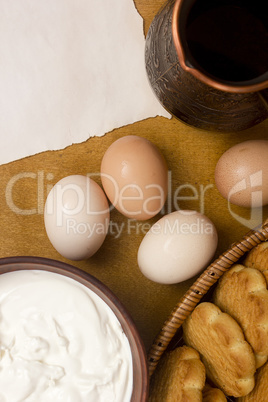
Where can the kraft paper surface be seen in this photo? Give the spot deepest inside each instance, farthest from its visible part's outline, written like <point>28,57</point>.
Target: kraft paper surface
<point>191,155</point>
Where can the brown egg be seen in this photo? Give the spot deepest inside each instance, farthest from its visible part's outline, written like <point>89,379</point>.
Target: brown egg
<point>241,174</point>
<point>134,176</point>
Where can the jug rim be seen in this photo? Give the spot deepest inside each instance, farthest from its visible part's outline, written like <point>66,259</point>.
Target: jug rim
<point>227,86</point>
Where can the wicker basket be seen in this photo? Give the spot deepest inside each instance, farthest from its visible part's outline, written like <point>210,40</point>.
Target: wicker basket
<point>199,289</point>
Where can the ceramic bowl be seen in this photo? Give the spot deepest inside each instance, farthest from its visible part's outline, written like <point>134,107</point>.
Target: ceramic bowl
<point>140,369</point>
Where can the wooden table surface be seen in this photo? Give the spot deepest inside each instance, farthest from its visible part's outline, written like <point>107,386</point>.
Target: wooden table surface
<point>191,155</point>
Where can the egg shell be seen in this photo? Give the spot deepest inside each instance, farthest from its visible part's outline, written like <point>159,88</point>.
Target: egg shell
<point>177,247</point>
<point>76,217</point>
<point>134,176</point>
<point>241,174</point>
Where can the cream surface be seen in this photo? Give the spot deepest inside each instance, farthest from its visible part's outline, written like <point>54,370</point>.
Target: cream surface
<point>59,342</point>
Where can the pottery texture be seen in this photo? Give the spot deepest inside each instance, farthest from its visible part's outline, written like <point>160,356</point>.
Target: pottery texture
<point>187,98</point>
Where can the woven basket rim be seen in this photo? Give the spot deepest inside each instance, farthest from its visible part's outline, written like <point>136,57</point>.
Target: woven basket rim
<point>200,288</point>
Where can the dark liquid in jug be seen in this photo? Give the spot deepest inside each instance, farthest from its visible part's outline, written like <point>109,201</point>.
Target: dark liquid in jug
<point>229,39</point>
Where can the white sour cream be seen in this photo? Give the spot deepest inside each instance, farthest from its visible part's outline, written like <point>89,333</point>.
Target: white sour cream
<point>59,341</point>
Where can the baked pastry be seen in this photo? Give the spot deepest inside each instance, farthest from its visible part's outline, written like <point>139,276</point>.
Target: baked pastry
<point>211,394</point>
<point>259,393</point>
<point>258,258</point>
<point>242,293</point>
<point>227,356</point>
<point>179,376</point>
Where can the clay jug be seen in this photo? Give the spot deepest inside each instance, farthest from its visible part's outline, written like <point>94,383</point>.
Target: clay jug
<point>207,62</point>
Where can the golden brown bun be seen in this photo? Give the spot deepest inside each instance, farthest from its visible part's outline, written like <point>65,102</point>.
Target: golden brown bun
<point>260,391</point>
<point>179,377</point>
<point>211,394</point>
<point>242,293</point>
<point>228,358</point>
<point>258,258</point>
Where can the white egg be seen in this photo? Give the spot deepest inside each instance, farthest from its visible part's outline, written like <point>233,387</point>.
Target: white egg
<point>76,217</point>
<point>177,247</point>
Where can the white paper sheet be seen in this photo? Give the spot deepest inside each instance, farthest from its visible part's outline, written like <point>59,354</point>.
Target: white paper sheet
<point>69,69</point>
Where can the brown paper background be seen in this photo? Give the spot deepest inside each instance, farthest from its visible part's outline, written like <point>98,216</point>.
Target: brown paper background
<point>191,155</point>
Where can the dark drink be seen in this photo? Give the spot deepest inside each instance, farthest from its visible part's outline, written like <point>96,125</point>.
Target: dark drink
<point>228,40</point>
